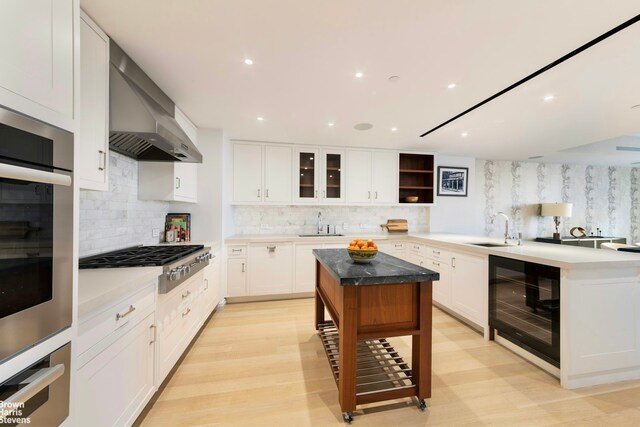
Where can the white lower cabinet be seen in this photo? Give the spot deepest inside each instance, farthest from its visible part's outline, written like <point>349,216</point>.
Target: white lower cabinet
<point>396,249</point>
<point>271,269</point>
<point>114,386</point>
<point>178,322</point>
<point>469,287</point>
<point>305,266</point>
<point>237,277</point>
<point>442,287</point>
<point>210,293</point>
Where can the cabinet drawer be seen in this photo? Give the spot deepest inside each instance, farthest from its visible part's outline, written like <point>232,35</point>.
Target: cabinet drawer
<point>416,248</point>
<point>236,251</point>
<point>115,317</point>
<point>437,254</point>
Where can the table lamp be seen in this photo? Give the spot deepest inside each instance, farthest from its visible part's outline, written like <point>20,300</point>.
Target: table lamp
<point>556,210</point>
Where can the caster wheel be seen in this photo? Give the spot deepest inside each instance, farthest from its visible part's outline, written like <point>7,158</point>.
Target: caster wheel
<point>348,417</point>
<point>422,405</point>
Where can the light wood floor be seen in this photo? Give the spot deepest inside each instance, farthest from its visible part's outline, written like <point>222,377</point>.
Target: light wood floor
<point>261,364</point>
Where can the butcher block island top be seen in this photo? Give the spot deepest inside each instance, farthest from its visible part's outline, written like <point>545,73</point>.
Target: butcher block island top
<point>367,304</point>
<point>383,269</point>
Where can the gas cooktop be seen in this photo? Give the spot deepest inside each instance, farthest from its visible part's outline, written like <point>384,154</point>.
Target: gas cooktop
<point>139,256</point>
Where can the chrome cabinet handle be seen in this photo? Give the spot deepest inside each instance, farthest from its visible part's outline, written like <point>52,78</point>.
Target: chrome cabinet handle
<point>453,262</point>
<point>436,252</point>
<point>32,175</point>
<point>267,193</point>
<point>398,246</point>
<point>186,294</point>
<point>243,267</point>
<point>368,194</point>
<point>316,194</point>
<point>177,182</point>
<point>271,249</point>
<point>437,264</point>
<point>207,282</point>
<point>186,312</point>
<point>152,328</point>
<point>236,250</point>
<point>126,313</point>
<point>376,193</point>
<point>258,193</point>
<point>102,161</point>
<point>324,194</point>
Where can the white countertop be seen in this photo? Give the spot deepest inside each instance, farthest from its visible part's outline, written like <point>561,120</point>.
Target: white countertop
<point>563,256</point>
<point>100,287</point>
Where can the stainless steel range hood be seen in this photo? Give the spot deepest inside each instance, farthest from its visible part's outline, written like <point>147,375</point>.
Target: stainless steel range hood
<point>142,123</point>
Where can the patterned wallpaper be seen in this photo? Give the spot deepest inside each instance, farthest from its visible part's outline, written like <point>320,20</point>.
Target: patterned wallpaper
<point>603,197</point>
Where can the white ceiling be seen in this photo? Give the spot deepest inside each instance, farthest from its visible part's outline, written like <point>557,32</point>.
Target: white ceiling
<point>306,53</point>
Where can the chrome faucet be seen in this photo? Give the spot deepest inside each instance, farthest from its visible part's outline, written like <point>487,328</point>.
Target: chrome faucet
<point>506,224</point>
<point>319,224</point>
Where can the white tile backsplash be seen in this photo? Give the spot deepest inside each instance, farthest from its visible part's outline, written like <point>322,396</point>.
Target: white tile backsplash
<point>116,219</point>
<point>303,219</point>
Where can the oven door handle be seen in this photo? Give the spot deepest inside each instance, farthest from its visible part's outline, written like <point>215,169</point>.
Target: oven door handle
<point>37,382</point>
<point>33,175</point>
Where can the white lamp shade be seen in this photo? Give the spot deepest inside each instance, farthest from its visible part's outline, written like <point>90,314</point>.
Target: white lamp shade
<point>556,209</point>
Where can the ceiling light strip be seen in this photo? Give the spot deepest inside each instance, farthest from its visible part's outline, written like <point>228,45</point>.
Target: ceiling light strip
<point>541,70</point>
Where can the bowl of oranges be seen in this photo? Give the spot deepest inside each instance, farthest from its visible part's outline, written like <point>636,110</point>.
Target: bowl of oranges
<point>362,251</point>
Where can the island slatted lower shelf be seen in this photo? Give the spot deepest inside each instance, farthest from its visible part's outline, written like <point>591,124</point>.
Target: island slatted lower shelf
<point>381,373</point>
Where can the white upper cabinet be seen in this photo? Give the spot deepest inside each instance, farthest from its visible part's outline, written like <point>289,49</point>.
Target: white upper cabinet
<point>372,177</point>
<point>37,51</point>
<point>171,181</point>
<point>277,174</point>
<point>262,174</point>
<point>319,176</point>
<point>93,113</point>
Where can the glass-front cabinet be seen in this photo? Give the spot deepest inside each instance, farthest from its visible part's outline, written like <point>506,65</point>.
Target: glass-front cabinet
<point>319,176</point>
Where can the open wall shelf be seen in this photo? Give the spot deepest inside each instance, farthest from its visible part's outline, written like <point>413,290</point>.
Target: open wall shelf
<point>416,177</point>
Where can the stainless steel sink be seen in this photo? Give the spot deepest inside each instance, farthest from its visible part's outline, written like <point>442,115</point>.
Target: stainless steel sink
<point>320,235</point>
<point>490,245</point>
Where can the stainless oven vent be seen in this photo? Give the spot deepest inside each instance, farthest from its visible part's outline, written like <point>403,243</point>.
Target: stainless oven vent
<point>142,117</point>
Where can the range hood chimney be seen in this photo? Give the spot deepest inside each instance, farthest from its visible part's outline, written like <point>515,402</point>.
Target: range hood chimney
<point>142,117</point>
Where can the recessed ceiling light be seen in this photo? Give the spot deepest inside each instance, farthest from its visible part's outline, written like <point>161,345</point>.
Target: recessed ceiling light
<point>393,129</point>
<point>359,75</point>
<point>363,126</point>
<point>464,134</point>
<point>549,97</point>
<point>330,124</point>
<point>451,86</point>
<point>260,119</point>
<point>248,61</point>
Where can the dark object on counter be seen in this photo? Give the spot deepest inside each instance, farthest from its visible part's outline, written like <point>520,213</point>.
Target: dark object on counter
<point>180,224</point>
<point>637,250</point>
<point>392,298</point>
<point>584,242</point>
<point>578,232</point>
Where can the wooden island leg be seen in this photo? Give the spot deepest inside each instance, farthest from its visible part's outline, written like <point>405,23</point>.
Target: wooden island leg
<point>319,302</point>
<point>421,347</point>
<point>348,347</point>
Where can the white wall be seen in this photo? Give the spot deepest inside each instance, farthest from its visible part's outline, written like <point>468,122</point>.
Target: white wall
<point>458,214</point>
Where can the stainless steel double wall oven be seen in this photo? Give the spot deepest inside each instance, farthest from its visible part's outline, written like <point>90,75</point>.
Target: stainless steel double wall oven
<point>36,232</point>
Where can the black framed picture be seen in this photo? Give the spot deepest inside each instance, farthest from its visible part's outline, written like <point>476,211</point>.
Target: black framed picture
<point>452,181</point>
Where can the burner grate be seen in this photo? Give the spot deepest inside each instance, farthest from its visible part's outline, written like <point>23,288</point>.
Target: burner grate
<point>141,256</point>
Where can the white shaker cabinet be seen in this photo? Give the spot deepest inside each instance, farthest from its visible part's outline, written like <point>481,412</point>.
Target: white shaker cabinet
<point>469,287</point>
<point>262,174</point>
<point>237,277</point>
<point>271,269</point>
<point>114,387</point>
<point>372,177</point>
<point>442,287</point>
<point>305,266</point>
<point>93,138</point>
<point>170,181</point>
<point>37,51</point>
